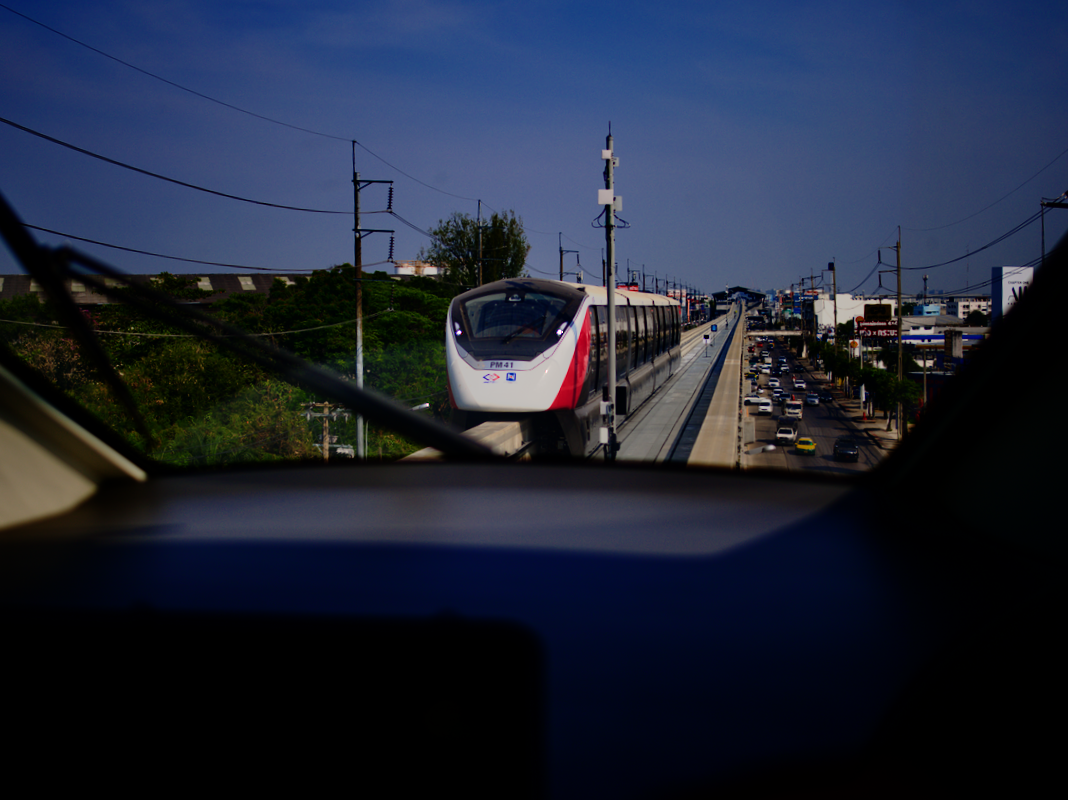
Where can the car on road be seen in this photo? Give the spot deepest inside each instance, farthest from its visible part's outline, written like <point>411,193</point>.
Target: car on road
<point>752,400</point>
<point>785,434</point>
<point>812,399</point>
<point>784,367</point>
<point>763,406</point>
<point>826,397</point>
<point>846,449</point>
<point>799,384</point>
<point>806,446</point>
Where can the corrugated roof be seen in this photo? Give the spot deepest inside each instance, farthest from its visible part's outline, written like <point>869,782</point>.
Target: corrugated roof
<point>221,286</point>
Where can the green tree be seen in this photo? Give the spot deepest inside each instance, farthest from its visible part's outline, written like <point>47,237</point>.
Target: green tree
<point>455,247</point>
<point>977,319</point>
<point>888,355</point>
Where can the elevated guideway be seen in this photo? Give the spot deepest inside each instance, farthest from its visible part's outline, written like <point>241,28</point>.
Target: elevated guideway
<point>666,427</point>
<point>716,440</point>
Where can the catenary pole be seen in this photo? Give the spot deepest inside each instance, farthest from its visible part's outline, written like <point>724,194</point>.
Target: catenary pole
<point>608,200</point>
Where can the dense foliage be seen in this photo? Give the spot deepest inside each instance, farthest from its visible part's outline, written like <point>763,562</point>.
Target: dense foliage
<point>202,405</point>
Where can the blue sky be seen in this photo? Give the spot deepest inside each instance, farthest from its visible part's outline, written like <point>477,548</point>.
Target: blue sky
<point>755,144</point>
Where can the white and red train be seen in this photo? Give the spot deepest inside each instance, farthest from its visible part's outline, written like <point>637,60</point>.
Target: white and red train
<point>527,347</point>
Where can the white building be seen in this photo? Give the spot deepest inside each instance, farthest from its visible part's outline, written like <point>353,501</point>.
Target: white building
<point>411,269</point>
<point>851,307</point>
<point>963,305</point>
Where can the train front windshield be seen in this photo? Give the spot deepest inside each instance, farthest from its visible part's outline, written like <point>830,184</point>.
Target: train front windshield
<point>512,321</point>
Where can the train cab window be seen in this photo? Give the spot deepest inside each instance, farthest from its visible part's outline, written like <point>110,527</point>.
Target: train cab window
<point>516,317</point>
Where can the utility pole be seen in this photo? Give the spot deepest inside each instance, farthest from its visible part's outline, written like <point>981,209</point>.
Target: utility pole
<point>608,199</point>
<point>900,327</point>
<point>358,234</point>
<point>1058,202</point>
<point>479,224</point>
<point>834,289</point>
<point>562,251</point>
<point>326,416</point>
<point>900,343</point>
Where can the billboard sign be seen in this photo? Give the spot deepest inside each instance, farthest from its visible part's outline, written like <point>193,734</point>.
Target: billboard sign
<point>878,329</point>
<point>1007,286</point>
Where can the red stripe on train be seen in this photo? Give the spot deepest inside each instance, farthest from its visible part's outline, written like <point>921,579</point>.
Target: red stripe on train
<point>575,377</point>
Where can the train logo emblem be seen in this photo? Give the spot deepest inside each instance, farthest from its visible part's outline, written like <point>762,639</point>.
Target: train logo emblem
<point>491,377</point>
<point>510,376</point>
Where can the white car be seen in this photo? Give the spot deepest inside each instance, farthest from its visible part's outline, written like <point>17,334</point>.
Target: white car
<point>786,434</point>
<point>774,383</point>
<point>798,383</point>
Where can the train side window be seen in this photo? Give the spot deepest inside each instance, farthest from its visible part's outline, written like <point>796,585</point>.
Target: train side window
<point>622,342</point>
<point>661,320</point>
<point>643,334</point>
<point>654,333</point>
<point>597,354</point>
<point>632,323</point>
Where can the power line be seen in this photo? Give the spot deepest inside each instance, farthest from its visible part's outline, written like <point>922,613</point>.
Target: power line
<point>231,106</point>
<point>243,267</point>
<point>1012,232</point>
<point>124,165</point>
<point>1029,221</point>
<point>161,255</point>
<point>160,78</point>
<point>981,210</point>
<point>866,277</point>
